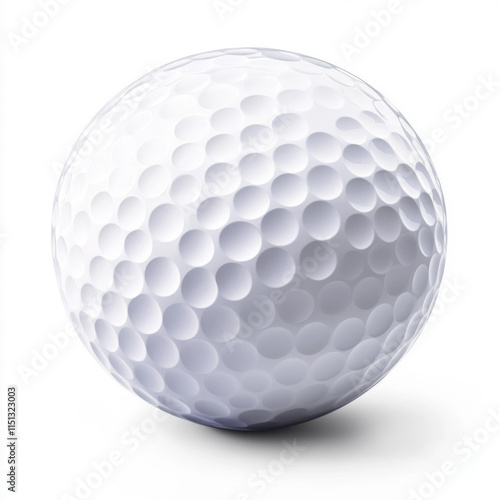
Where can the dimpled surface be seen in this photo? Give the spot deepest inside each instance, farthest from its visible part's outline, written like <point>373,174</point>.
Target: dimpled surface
<point>249,238</point>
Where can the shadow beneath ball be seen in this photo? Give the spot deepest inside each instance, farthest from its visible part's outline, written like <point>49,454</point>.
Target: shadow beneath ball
<point>394,429</point>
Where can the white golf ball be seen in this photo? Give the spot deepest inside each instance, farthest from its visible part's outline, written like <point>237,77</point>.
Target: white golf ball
<point>249,238</point>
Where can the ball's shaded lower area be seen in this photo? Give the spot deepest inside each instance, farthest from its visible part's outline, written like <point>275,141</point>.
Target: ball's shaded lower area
<point>249,238</point>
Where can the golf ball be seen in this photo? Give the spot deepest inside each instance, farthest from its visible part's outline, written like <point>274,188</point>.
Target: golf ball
<point>249,238</point>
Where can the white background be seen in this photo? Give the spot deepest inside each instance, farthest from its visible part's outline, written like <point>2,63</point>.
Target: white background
<point>428,58</point>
